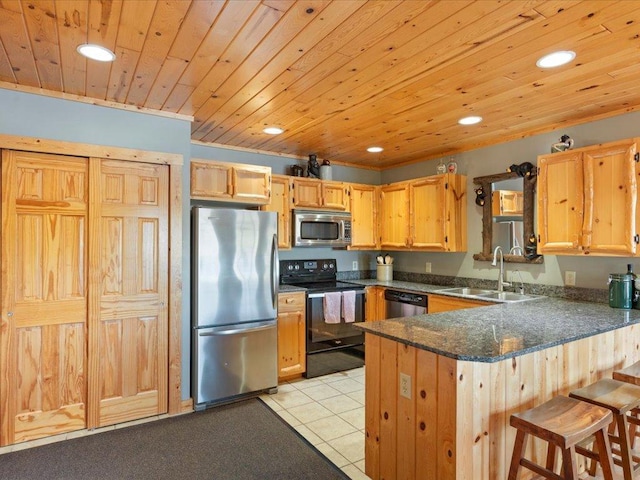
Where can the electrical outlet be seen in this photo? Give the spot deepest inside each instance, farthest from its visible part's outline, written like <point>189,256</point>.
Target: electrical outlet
<point>354,265</point>
<point>427,267</point>
<point>405,385</point>
<point>570,279</point>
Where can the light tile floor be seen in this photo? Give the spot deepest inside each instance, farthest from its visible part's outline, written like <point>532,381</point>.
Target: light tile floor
<point>329,412</point>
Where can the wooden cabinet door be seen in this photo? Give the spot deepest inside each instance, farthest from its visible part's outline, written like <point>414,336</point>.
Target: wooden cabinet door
<point>291,334</point>
<point>608,225</point>
<point>307,193</point>
<point>335,195</point>
<point>427,200</point>
<point>375,304</point>
<point>252,184</point>
<point>560,203</point>
<point>211,180</point>
<point>128,346</point>
<point>394,216</point>
<point>443,303</point>
<point>364,212</point>
<point>280,203</point>
<point>44,295</point>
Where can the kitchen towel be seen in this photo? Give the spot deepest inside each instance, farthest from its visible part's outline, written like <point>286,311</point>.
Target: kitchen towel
<point>349,306</point>
<point>331,305</point>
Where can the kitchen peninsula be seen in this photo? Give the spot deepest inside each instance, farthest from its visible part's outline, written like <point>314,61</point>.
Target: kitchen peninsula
<point>440,388</point>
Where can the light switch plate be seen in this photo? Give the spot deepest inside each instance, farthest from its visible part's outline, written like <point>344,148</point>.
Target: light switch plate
<point>354,265</point>
<point>427,267</point>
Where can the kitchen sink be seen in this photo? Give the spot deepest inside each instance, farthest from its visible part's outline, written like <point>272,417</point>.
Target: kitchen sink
<point>490,295</point>
<point>508,296</point>
<point>466,291</point>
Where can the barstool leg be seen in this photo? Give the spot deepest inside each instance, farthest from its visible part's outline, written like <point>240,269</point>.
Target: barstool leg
<point>604,455</point>
<point>625,452</point>
<point>551,457</point>
<point>518,453</point>
<point>569,464</point>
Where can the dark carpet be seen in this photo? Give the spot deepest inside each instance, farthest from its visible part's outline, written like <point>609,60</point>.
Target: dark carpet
<point>244,440</point>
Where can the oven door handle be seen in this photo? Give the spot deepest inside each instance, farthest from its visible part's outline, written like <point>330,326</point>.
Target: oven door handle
<point>321,295</point>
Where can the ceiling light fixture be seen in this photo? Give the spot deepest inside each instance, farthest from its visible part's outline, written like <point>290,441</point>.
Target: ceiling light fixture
<point>472,120</point>
<point>273,130</point>
<point>556,59</point>
<point>375,149</point>
<point>96,52</point>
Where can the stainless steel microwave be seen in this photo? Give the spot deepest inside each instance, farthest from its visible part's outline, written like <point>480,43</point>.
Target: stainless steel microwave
<point>321,229</point>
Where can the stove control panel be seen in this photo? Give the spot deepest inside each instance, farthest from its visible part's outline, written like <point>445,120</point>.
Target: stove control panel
<point>308,266</point>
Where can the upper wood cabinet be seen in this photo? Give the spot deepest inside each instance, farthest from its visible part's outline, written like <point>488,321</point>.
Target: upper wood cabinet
<point>281,204</point>
<point>507,203</point>
<point>313,193</point>
<point>393,219</point>
<point>428,213</point>
<point>363,200</point>
<point>438,213</point>
<point>587,200</point>
<point>230,182</point>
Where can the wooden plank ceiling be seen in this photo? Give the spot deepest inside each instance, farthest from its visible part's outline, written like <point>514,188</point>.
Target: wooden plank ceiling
<point>339,75</point>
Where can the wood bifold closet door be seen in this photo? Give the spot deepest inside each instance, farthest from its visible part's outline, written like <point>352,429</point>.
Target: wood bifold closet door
<point>83,337</point>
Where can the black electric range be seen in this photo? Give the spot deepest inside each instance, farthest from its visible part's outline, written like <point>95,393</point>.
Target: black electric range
<point>331,346</point>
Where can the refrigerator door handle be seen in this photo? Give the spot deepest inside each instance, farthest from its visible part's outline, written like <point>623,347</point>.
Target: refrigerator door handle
<point>235,331</point>
<point>275,271</point>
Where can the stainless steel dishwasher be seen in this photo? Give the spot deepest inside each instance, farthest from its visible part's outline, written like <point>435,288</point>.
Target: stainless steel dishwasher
<point>404,304</point>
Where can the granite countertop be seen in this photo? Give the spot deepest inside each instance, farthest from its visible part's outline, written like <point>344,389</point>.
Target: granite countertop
<point>499,331</point>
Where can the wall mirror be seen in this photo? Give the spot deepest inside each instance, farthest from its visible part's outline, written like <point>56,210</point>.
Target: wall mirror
<point>508,201</point>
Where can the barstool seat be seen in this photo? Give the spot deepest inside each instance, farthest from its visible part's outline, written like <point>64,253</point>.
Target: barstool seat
<point>620,398</point>
<point>562,422</point>
<point>631,374</point>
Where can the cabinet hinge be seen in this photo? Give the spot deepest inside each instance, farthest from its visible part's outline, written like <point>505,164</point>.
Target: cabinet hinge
<point>538,238</point>
<point>538,171</point>
<point>636,157</point>
<point>636,238</point>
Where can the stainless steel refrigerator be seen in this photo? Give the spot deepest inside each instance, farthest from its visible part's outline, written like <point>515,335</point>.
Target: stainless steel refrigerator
<point>234,303</point>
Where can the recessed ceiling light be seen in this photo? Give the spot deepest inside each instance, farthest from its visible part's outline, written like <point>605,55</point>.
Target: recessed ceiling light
<point>273,130</point>
<point>556,59</point>
<point>96,52</point>
<point>375,149</point>
<point>470,120</point>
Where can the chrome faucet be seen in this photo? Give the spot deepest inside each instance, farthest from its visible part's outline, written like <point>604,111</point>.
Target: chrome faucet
<point>501,281</point>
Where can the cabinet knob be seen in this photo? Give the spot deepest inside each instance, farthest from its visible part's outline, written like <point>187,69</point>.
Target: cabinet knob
<point>289,300</point>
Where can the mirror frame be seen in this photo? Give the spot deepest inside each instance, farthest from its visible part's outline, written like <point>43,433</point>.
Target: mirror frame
<point>529,185</point>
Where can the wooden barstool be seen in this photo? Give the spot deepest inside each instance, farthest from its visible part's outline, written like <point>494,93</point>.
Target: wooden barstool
<point>620,398</point>
<point>631,374</point>
<point>562,422</point>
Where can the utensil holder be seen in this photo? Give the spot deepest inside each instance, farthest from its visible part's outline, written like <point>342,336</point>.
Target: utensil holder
<point>385,273</point>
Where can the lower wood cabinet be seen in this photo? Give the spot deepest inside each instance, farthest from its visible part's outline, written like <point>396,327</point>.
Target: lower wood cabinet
<point>443,303</point>
<point>375,307</point>
<point>291,334</point>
